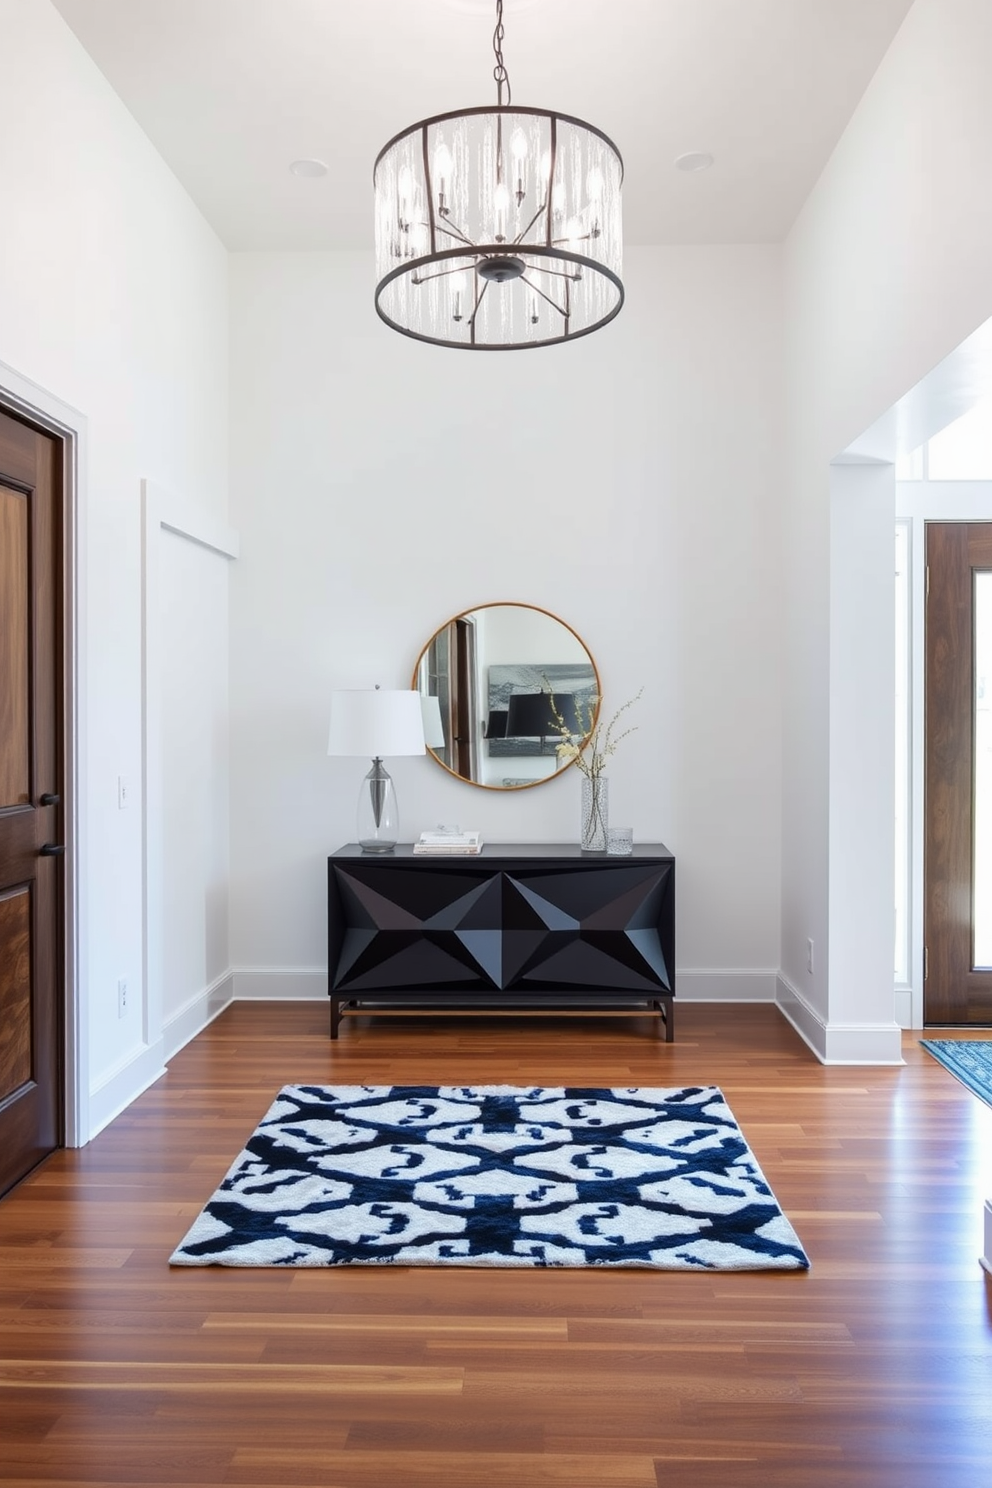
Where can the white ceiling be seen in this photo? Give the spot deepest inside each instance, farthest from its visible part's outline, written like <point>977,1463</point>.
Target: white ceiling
<point>231,91</point>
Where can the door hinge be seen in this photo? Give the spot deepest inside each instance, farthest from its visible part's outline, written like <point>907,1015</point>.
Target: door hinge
<point>926,963</point>
<point>926,589</point>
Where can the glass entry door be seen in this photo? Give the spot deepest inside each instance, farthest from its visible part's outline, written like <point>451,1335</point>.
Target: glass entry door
<point>957,985</point>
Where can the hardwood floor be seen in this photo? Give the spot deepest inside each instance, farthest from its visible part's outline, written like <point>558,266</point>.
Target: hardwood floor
<point>873,1370</point>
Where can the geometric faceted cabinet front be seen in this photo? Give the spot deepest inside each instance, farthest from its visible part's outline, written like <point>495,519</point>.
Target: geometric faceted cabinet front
<point>527,926</point>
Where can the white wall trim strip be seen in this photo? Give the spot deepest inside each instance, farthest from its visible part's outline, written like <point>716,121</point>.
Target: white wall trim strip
<point>697,985</point>
<point>280,983</point>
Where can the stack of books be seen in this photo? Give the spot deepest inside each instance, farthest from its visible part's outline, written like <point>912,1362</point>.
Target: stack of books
<point>444,843</point>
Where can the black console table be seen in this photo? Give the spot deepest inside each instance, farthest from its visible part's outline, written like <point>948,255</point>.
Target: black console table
<point>527,926</point>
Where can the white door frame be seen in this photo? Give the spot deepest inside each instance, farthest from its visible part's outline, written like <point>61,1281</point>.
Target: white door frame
<point>19,394</point>
<point>919,502</point>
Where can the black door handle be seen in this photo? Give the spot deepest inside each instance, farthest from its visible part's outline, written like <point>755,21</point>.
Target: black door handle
<point>51,850</point>
<point>49,799</point>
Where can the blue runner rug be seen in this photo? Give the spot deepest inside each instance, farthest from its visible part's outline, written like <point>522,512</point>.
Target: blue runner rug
<point>493,1175</point>
<point>969,1059</point>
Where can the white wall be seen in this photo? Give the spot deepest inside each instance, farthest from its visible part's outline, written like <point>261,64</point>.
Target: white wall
<point>629,483</point>
<point>886,272</point>
<point>113,298</point>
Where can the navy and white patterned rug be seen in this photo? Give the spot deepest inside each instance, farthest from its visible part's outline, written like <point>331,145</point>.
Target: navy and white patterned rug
<point>493,1175</point>
<point>969,1059</point>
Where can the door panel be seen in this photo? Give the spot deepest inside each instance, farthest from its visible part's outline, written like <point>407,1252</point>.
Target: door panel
<point>956,989</point>
<point>14,723</point>
<point>15,991</point>
<point>31,883</point>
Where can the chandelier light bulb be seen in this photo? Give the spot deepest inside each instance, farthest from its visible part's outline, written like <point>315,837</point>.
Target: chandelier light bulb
<point>498,227</point>
<point>442,163</point>
<point>518,149</point>
<point>443,167</point>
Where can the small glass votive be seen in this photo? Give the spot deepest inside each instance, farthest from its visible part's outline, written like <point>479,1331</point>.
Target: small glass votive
<point>620,841</point>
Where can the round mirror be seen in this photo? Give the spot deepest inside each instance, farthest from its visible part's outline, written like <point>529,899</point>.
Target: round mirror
<point>484,679</point>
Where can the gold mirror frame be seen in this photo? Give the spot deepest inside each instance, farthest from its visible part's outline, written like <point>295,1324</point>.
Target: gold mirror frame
<point>480,659</point>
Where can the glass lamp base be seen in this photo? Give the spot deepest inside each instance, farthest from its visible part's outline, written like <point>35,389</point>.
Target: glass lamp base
<point>378,817</point>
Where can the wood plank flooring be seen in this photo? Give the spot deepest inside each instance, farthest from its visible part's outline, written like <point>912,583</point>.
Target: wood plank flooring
<point>874,1370</point>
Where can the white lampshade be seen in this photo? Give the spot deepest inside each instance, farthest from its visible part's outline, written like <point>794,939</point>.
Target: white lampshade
<point>376,722</point>
<point>433,727</point>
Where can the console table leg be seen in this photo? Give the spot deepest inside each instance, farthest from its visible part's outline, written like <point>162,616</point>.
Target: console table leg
<point>335,1015</point>
<point>666,1008</point>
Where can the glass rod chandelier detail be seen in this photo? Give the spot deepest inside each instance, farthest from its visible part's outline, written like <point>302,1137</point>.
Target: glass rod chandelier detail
<point>498,228</point>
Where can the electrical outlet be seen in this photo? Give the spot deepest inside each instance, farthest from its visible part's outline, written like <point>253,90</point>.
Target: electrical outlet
<point>809,957</point>
<point>121,996</point>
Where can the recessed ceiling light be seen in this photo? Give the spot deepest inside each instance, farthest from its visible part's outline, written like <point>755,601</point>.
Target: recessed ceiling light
<point>308,168</point>
<point>694,160</point>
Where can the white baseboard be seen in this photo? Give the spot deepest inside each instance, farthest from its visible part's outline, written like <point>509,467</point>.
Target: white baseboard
<point>831,1043</point>
<point>724,986</point>
<point>296,983</point>
<point>124,1084</point>
<point>140,1069</point>
<point>839,1043</point>
<point>280,983</point>
<point>197,1013</point>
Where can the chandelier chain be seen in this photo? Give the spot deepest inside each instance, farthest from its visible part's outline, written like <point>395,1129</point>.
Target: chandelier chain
<point>499,71</point>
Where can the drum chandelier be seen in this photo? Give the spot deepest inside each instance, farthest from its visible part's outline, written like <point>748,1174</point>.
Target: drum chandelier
<point>498,228</point>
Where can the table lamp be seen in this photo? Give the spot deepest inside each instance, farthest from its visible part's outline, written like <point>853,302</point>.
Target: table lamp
<point>530,716</point>
<point>375,722</point>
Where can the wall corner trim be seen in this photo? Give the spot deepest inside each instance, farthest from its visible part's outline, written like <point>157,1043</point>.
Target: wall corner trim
<point>839,1043</point>
<point>163,509</point>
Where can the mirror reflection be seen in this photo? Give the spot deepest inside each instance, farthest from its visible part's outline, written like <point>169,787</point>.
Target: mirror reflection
<point>484,678</point>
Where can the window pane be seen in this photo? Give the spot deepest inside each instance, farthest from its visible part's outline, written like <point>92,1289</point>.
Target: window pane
<point>963,451</point>
<point>983,770</point>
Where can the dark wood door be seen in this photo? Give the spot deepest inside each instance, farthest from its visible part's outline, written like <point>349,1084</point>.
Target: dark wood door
<point>31,813</point>
<point>958,967</point>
